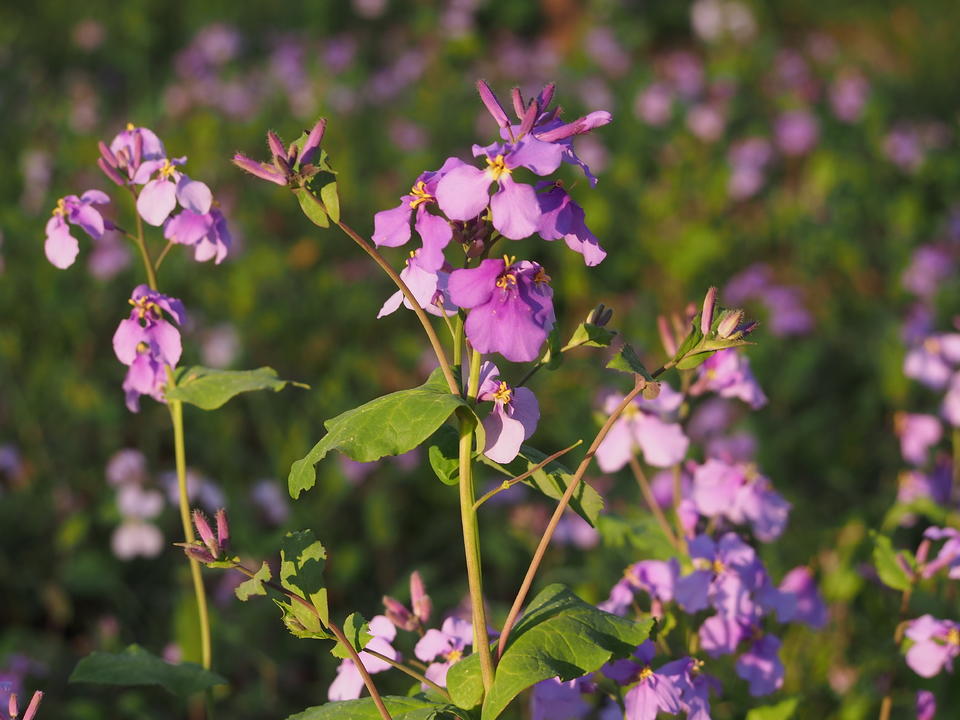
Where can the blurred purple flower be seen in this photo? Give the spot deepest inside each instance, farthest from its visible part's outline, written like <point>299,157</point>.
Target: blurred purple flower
<point>848,95</point>
<point>448,644</point>
<point>127,466</point>
<point>932,362</point>
<point>271,501</point>
<point>929,266</point>
<point>728,374</point>
<point>936,645</point>
<point>948,557</point>
<point>926,705</point>
<point>904,148</point>
<point>796,132</point>
<point>917,433</point>
<point>135,538</point>
<point>748,159</point>
<point>654,104</point>
<point>348,684</point>
<point>574,530</point>
<point>761,667</point>
<point>645,425</point>
<point>556,700</point>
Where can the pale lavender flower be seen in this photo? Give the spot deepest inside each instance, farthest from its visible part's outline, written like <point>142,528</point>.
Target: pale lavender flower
<point>707,121</point>
<point>848,95</point>
<point>646,425</point>
<point>748,159</point>
<point>929,266</point>
<point>603,48</point>
<point>950,409</point>
<point>936,645</point>
<point>917,433</point>
<point>935,485</point>
<point>127,466</point>
<point>948,557</point>
<point>271,500</point>
<point>904,148</point>
<point>728,374</point>
<point>61,248</point>
<point>448,644</point>
<point>574,530</point>
<point>654,104</point>
<point>430,288</point>
<point>349,683</point>
<point>135,538</point>
<point>741,495</point>
<point>726,573</point>
<point>206,232</point>
<point>110,256</point>
<point>796,132</point>
<point>128,151</point>
<point>161,194</point>
<point>933,361</point>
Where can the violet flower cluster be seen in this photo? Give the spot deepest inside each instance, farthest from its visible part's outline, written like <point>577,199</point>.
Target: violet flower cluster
<point>148,341</point>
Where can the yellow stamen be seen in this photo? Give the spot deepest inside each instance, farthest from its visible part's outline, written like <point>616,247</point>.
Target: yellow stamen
<point>420,195</point>
<point>503,393</point>
<point>932,345</point>
<point>61,208</point>
<point>131,126</point>
<point>645,673</point>
<point>454,656</point>
<point>497,167</point>
<point>541,277</point>
<point>506,280</point>
<point>953,636</point>
<point>142,347</point>
<point>718,567</point>
<point>167,169</point>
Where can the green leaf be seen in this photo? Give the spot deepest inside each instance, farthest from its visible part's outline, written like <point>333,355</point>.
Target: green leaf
<point>302,560</point>
<point>628,361</point>
<point>559,636</point>
<point>885,558</point>
<point>331,200</point>
<point>312,207</point>
<point>444,450</point>
<point>136,666</point>
<point>390,425</point>
<point>303,623</point>
<point>783,710</point>
<point>553,356</point>
<point>357,632</point>
<point>465,682</point>
<point>642,534</point>
<point>691,361</point>
<point>399,707</point>
<point>209,389</point>
<point>254,585</point>
<point>590,335</point>
<point>552,480</point>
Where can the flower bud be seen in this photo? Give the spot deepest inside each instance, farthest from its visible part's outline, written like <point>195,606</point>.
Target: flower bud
<point>422,605</point>
<point>529,118</point>
<point>254,168</point>
<point>492,104</point>
<point>34,705</point>
<point>111,172</point>
<point>12,709</point>
<point>107,154</point>
<point>205,533</point>
<point>546,96</point>
<point>666,336</point>
<point>398,614</point>
<point>223,529</point>
<point>517,102</point>
<point>137,148</point>
<point>276,145</point>
<point>706,314</point>
<point>312,144</point>
<point>729,322</point>
<point>600,315</point>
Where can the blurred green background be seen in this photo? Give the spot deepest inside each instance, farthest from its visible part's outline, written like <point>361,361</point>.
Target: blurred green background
<point>836,222</point>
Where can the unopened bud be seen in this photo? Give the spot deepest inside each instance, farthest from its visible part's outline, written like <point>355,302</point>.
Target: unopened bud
<point>666,336</point>
<point>492,104</point>
<point>258,170</point>
<point>706,314</point>
<point>419,600</point>
<point>12,709</point>
<point>729,323</point>
<point>529,118</point>
<point>111,172</point>
<point>398,614</point>
<point>312,145</point>
<point>137,149</point>
<point>223,529</point>
<point>107,154</point>
<point>923,552</point>
<point>546,96</point>
<point>34,705</point>
<point>600,315</point>
<point>276,145</point>
<point>517,102</point>
<point>205,533</point>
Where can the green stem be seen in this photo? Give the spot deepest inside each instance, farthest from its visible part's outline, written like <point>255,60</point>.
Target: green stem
<point>163,254</point>
<point>471,532</point>
<point>541,550</point>
<point>458,341</point>
<point>367,680</point>
<point>142,246</point>
<point>409,671</point>
<point>507,484</point>
<point>651,500</point>
<point>176,414</point>
<point>414,304</point>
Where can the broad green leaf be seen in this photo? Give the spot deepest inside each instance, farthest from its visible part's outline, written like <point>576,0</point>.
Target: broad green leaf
<point>465,682</point>
<point>559,636</point>
<point>302,559</point>
<point>399,707</point>
<point>888,564</point>
<point>553,356</point>
<point>312,207</point>
<point>783,710</point>
<point>331,200</point>
<point>694,360</point>
<point>552,480</point>
<point>390,425</point>
<point>443,453</point>
<point>254,586</point>
<point>357,632</point>
<point>590,335</point>
<point>628,361</point>
<point>136,666</point>
<point>209,389</point>
<point>642,534</point>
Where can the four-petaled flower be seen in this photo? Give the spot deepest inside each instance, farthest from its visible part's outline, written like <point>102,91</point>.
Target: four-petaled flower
<point>160,194</point>
<point>936,645</point>
<point>448,644</point>
<point>61,248</point>
<point>647,425</point>
<point>514,416</point>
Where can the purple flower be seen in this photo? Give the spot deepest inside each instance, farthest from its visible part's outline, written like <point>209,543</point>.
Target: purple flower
<point>646,425</point>
<point>61,248</point>
<point>748,160</point>
<point>796,132</point>
<point>740,494</point>
<point>349,683</point>
<point>951,402</point>
<point>654,104</point>
<point>207,233</point>
<point>136,537</point>
<point>728,374</point>
<point>936,644</point>
<point>562,218</point>
<point>694,686</point>
<point>929,266</point>
<point>726,573</point>
<point>760,666</point>
<point>511,307</point>
<point>918,433</point>
<point>429,287</point>
<point>653,691</point>
<point>936,485</point>
<point>933,361</point>
<point>949,554</point>
<point>463,192</point>
<point>848,95</point>
<point>161,194</point>
<point>787,315</point>
<point>448,644</point>
<point>620,600</point>
<point>128,150</point>
<point>804,602</point>
<point>147,343</point>
<point>926,705</point>
<point>392,227</point>
<point>514,416</point>
<point>556,700</point>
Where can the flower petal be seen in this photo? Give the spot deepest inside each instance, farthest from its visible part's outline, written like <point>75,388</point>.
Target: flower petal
<point>194,195</point>
<point>516,212</point>
<point>61,248</point>
<point>463,192</point>
<point>156,201</point>
<point>391,228</point>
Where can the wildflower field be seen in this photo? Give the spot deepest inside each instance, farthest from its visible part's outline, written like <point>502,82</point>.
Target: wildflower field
<point>477,359</point>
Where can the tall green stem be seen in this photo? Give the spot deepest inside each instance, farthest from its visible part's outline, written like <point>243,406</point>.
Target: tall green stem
<point>176,415</point>
<point>471,532</point>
